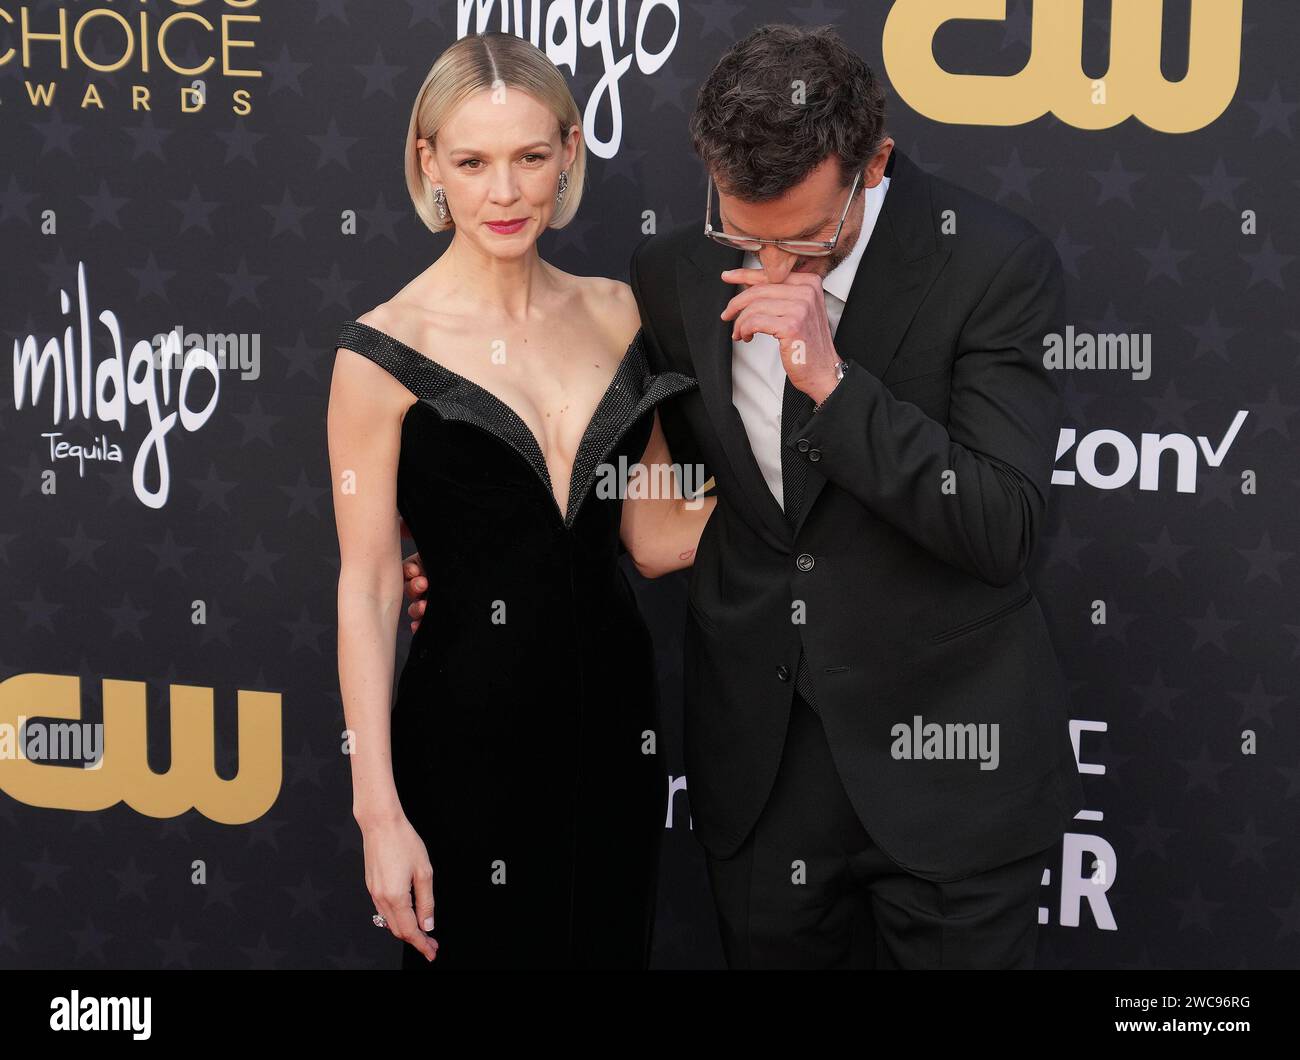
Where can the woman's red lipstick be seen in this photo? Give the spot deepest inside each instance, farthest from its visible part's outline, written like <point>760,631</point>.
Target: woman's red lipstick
<point>506,228</point>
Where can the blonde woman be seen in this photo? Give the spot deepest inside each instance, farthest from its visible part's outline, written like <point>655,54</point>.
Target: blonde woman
<point>515,784</point>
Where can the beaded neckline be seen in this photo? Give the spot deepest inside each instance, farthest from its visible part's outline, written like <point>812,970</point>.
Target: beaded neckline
<point>631,391</point>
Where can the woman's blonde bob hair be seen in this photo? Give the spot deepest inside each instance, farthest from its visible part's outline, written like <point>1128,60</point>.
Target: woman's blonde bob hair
<point>489,61</point>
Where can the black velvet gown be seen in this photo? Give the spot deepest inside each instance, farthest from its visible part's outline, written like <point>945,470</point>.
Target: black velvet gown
<point>528,697</point>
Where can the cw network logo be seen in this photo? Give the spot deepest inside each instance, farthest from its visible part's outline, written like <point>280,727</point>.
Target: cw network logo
<point>1144,459</point>
<point>1053,78</point>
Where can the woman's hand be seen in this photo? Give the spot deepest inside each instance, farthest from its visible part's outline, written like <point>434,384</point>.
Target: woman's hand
<point>415,586</point>
<point>397,863</point>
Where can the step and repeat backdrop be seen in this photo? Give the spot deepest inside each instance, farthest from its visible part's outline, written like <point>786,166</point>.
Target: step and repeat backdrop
<point>227,174</point>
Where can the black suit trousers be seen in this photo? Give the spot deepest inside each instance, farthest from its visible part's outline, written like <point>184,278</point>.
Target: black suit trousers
<point>809,889</point>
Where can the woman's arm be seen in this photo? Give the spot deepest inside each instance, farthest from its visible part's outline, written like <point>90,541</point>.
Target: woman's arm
<point>364,428</point>
<point>662,533</point>
<point>364,434</point>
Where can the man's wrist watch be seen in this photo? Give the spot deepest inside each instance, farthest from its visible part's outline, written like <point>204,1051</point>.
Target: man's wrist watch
<point>841,366</point>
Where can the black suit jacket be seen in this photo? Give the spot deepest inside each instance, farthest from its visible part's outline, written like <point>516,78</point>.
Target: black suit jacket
<point>928,471</point>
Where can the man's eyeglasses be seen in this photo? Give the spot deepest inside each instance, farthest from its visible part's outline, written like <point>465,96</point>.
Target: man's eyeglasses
<point>805,247</point>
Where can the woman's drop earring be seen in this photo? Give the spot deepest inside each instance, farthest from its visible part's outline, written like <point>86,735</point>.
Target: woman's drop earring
<point>440,203</point>
<point>564,186</point>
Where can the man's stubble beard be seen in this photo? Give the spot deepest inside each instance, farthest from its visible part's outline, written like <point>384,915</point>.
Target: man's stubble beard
<point>824,266</point>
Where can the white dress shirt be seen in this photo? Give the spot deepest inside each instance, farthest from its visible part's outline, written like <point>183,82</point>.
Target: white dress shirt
<point>757,374</point>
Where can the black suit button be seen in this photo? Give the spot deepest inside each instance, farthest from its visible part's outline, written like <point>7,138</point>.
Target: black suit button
<point>816,454</point>
<point>802,445</point>
<point>804,562</point>
<point>783,672</point>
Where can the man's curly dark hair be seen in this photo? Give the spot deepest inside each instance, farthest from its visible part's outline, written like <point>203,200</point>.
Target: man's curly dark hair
<point>778,103</point>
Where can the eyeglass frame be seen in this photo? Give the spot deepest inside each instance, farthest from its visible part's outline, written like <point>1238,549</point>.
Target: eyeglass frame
<point>822,249</point>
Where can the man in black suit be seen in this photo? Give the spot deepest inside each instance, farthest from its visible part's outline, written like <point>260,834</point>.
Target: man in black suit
<point>876,733</point>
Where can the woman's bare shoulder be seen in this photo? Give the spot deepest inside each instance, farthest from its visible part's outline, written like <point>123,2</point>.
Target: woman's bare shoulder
<point>612,303</point>
<point>394,317</point>
<point>359,381</point>
<point>606,287</point>
<point>424,321</point>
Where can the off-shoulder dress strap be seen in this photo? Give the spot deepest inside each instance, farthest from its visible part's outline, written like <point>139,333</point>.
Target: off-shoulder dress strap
<point>421,376</point>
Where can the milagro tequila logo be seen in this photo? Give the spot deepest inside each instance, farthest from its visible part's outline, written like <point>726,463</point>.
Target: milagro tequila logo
<point>569,25</point>
<point>83,386</point>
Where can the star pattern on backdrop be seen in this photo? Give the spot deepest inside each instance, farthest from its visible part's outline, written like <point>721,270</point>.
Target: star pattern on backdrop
<point>287,220</point>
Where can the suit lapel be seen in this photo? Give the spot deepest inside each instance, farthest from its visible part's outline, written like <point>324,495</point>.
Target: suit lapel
<point>900,262</point>
<point>703,296</point>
